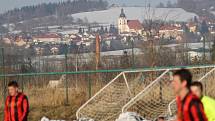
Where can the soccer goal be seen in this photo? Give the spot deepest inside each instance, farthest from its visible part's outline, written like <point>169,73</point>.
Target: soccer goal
<point>106,105</point>
<point>147,92</point>
<point>156,98</point>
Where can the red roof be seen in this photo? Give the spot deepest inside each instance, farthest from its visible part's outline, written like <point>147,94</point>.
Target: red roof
<point>134,24</point>
<point>191,24</point>
<point>166,27</point>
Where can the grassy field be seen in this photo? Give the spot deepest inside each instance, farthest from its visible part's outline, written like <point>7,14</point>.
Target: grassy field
<point>51,103</point>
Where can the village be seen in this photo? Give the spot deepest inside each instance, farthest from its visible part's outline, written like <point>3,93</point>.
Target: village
<point>51,40</point>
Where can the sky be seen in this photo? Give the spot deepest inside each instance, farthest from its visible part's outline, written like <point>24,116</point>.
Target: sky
<point>10,4</point>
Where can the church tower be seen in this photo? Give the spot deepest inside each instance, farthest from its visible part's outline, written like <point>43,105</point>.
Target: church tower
<point>122,23</point>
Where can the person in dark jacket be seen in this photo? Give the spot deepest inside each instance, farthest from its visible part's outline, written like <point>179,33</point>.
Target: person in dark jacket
<point>16,104</point>
<point>190,107</point>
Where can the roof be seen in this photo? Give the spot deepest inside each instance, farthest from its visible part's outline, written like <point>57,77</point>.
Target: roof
<point>167,27</point>
<point>134,24</point>
<point>191,24</point>
<point>122,14</point>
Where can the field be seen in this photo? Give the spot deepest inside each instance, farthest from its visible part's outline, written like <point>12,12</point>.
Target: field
<point>51,101</point>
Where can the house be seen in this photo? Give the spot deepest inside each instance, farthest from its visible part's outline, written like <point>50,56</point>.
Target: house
<point>7,40</point>
<point>168,31</point>
<point>128,26</point>
<point>192,27</point>
<point>54,50</point>
<point>51,37</point>
<point>39,50</point>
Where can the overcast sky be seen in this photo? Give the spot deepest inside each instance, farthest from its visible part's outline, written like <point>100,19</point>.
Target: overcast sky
<point>10,4</point>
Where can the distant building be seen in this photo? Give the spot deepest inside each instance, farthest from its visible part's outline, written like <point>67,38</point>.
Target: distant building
<point>128,26</point>
<point>47,38</point>
<point>168,31</point>
<point>54,50</point>
<point>192,27</point>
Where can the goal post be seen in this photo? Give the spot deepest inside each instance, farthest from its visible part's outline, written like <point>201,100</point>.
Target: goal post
<point>106,104</point>
<point>147,92</point>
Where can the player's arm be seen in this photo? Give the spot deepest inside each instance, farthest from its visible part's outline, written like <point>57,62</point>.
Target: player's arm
<point>25,107</point>
<point>6,111</point>
<point>197,111</point>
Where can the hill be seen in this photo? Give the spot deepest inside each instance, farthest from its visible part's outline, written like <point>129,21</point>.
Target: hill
<point>111,15</point>
<point>60,9</point>
<point>200,7</point>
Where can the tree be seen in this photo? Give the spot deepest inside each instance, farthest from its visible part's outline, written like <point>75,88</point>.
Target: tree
<point>169,4</point>
<point>204,28</point>
<point>3,30</point>
<point>101,31</point>
<point>89,29</point>
<point>60,10</point>
<point>160,5</point>
<point>80,31</point>
<point>113,29</point>
<point>125,60</point>
<point>195,19</point>
<point>106,30</point>
<point>213,52</point>
<point>204,31</point>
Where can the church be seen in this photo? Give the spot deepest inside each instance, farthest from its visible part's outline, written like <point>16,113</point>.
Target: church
<point>128,26</point>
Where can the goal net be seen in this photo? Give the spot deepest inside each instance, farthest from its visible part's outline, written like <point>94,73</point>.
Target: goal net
<point>106,105</point>
<point>146,92</point>
<point>155,99</point>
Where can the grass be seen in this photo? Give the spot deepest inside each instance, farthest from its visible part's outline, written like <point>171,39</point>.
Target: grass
<point>50,102</point>
<point>53,107</point>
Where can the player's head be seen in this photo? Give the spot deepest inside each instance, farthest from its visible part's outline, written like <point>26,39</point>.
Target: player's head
<point>197,88</point>
<point>182,79</point>
<point>13,88</point>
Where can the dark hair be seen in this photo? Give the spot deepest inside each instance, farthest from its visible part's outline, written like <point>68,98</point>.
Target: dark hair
<point>160,118</point>
<point>185,75</point>
<point>198,84</point>
<point>13,84</point>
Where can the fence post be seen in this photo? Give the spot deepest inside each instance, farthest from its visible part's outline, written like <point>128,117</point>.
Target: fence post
<point>22,81</point>
<point>3,72</point>
<point>89,86</point>
<point>66,80</point>
<point>161,93</point>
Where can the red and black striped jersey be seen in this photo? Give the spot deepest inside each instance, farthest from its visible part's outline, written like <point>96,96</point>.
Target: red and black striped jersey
<point>16,108</point>
<point>190,109</point>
